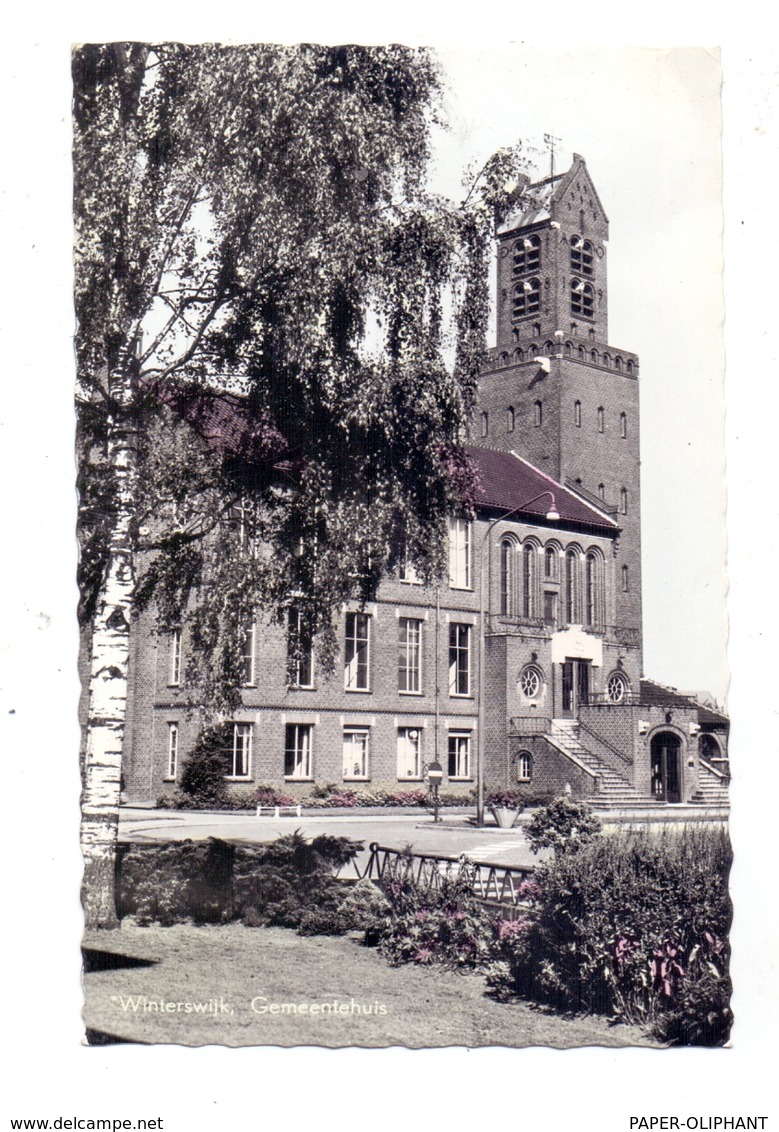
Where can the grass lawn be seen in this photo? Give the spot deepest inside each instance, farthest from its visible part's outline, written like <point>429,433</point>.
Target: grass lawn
<point>224,968</point>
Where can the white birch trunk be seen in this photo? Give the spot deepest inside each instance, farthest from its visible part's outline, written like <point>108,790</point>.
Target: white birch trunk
<point>108,690</point>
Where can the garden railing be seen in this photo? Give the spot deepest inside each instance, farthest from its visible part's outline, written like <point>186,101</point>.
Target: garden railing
<point>492,884</point>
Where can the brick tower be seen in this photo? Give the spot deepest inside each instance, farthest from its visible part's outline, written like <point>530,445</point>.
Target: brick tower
<point>556,392</point>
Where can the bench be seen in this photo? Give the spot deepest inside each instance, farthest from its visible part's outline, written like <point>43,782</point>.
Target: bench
<point>295,808</point>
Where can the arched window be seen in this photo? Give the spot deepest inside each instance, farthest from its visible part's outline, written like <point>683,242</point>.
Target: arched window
<point>581,353</point>
<point>629,366</point>
<point>581,255</point>
<point>570,595</point>
<point>616,688</point>
<point>592,589</point>
<point>550,563</point>
<point>594,356</point>
<point>504,359</point>
<point>510,419</point>
<point>531,682</point>
<point>485,423</point>
<point>527,298</point>
<point>601,491</point>
<point>568,349</point>
<point>538,414</point>
<point>607,360</point>
<point>519,355</point>
<point>582,298</point>
<point>623,500</point>
<point>601,419</point>
<point>528,580</point>
<point>524,766</point>
<point>618,363</point>
<point>623,425</point>
<point>577,414</point>
<point>625,580</point>
<point>549,348</point>
<point>507,577</point>
<point>527,255</point>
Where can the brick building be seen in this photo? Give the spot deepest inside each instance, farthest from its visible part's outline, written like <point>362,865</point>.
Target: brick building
<point>528,661</point>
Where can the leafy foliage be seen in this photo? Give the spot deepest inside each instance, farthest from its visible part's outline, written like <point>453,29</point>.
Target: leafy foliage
<point>285,882</point>
<point>630,925</point>
<point>562,825</point>
<point>254,219</point>
<point>203,775</point>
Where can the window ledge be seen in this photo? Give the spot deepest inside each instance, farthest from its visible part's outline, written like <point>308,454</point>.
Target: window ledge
<point>351,691</point>
<point>461,695</point>
<point>238,777</point>
<point>356,779</point>
<point>296,778</point>
<point>402,693</point>
<point>402,780</point>
<point>461,778</point>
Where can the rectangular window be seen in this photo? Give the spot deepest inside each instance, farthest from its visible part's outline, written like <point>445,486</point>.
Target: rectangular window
<point>407,573</point>
<point>300,650</point>
<point>459,754</point>
<point>247,655</point>
<point>355,758</point>
<point>409,655</point>
<point>174,656</point>
<point>173,750</point>
<point>550,607</point>
<point>297,750</point>
<point>460,554</point>
<point>409,753</point>
<point>459,660</point>
<point>356,658</point>
<point>241,754</point>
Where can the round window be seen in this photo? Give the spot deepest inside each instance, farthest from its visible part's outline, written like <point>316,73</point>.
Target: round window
<point>530,682</point>
<point>616,688</point>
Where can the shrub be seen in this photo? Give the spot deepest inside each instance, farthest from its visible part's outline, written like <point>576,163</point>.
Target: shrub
<point>365,909</point>
<point>562,825</point>
<point>203,776</point>
<point>270,796</point>
<point>175,882</point>
<point>631,925</point>
<point>441,925</point>
<point>277,883</point>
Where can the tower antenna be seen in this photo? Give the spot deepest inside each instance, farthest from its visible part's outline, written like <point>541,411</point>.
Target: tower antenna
<point>550,140</point>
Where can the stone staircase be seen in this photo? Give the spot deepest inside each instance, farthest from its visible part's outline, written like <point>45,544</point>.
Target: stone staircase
<point>712,786</point>
<point>615,791</point>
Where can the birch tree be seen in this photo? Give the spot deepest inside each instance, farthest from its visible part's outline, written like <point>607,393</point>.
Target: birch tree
<point>254,237</point>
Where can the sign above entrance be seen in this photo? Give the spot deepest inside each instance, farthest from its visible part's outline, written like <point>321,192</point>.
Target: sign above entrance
<point>574,642</point>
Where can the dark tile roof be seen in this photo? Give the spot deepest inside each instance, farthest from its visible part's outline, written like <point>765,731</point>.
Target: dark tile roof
<point>654,694</point>
<point>506,482</point>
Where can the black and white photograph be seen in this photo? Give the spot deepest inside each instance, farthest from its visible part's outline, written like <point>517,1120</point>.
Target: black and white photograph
<point>392,490</point>
<point>361,474</point>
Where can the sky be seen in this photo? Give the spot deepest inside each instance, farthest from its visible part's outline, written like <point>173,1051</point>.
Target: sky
<point>648,123</point>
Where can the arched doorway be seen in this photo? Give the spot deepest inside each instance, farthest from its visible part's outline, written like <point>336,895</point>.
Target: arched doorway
<point>666,767</point>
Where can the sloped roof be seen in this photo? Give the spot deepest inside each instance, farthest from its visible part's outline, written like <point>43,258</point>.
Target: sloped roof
<point>653,693</point>
<point>507,482</point>
<point>538,201</point>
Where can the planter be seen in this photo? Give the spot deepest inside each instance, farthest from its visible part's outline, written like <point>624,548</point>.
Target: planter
<point>505,816</point>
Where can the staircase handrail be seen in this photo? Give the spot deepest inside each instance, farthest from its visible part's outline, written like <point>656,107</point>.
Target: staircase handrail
<point>561,747</point>
<point>710,767</point>
<point>605,743</point>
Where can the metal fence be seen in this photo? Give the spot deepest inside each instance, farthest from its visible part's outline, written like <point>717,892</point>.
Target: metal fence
<point>493,884</point>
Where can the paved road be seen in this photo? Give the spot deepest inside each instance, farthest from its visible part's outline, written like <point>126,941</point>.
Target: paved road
<point>454,835</point>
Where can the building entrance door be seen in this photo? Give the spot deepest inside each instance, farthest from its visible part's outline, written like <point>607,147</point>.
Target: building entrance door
<point>576,686</point>
<point>666,780</point>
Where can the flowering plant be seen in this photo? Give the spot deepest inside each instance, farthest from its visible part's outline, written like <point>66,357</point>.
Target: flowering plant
<point>506,799</point>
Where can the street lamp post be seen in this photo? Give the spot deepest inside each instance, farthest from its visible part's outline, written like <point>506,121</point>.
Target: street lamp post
<point>552,515</point>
